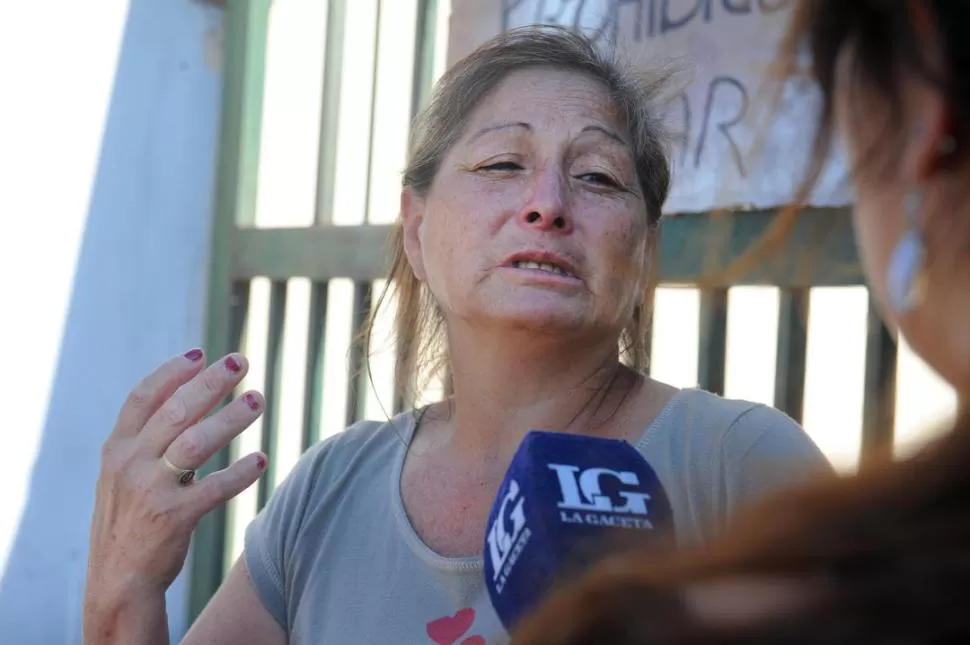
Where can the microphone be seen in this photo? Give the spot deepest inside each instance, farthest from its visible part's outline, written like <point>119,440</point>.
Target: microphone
<point>566,501</point>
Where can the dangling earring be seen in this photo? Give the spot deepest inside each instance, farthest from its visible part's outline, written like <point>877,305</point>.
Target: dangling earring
<point>906,281</point>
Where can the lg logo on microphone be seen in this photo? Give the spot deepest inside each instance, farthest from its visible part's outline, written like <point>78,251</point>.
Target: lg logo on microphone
<point>505,546</point>
<point>582,490</point>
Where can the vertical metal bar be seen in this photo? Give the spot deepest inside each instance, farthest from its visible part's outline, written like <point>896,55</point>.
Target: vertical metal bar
<point>271,389</point>
<point>426,39</point>
<point>330,113</point>
<point>406,394</point>
<point>648,340</point>
<point>238,321</point>
<point>238,313</point>
<point>316,343</point>
<point>235,204</point>
<point>373,112</point>
<point>713,340</point>
<point>879,408</point>
<point>793,309</point>
<point>357,383</point>
<point>425,48</point>
<point>403,397</point>
<point>449,382</point>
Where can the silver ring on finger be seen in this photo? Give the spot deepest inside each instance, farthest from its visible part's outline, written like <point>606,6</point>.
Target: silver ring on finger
<point>184,476</point>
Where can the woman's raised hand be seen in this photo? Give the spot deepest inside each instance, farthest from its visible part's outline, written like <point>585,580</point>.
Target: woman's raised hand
<point>148,500</point>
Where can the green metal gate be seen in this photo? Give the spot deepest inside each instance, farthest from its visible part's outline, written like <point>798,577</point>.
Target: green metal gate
<point>692,245</point>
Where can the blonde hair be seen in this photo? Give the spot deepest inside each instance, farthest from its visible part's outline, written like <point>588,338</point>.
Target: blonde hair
<point>419,324</point>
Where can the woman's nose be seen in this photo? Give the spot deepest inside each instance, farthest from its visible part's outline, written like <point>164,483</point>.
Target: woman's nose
<point>546,207</point>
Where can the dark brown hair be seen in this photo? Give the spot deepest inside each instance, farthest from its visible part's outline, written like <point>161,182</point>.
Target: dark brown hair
<point>888,39</point>
<point>881,557</point>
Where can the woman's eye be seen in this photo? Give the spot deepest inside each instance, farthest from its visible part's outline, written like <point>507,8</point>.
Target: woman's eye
<point>503,166</point>
<point>598,178</point>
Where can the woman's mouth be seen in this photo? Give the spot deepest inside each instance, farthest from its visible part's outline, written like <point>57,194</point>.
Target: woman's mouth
<point>548,267</point>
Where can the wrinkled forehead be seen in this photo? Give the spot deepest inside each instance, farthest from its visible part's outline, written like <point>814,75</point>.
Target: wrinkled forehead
<point>547,98</point>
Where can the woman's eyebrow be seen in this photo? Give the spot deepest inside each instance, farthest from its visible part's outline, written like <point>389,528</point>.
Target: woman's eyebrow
<point>609,133</point>
<point>528,127</point>
<point>501,126</point>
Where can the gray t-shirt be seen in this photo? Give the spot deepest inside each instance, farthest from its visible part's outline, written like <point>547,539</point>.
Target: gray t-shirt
<point>336,561</point>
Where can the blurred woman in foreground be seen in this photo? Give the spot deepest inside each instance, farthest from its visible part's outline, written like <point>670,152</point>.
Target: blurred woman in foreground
<point>883,557</point>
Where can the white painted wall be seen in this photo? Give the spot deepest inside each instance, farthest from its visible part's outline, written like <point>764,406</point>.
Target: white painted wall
<point>108,135</point>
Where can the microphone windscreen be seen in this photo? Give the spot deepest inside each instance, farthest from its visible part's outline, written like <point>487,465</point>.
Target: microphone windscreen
<point>566,500</point>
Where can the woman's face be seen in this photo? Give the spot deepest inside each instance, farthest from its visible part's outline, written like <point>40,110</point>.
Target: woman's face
<point>892,161</point>
<point>535,219</point>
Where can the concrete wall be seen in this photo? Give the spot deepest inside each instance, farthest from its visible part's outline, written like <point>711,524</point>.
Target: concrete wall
<point>108,123</point>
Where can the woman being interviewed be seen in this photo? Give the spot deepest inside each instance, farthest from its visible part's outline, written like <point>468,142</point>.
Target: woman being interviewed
<point>531,200</point>
<point>883,557</point>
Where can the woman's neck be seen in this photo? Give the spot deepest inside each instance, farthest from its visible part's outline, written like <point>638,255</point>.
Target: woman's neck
<point>505,385</point>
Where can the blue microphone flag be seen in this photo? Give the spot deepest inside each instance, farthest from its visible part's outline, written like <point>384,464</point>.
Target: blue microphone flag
<point>563,499</point>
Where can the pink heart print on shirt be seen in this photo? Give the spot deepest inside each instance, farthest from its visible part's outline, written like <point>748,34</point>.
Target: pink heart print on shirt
<point>447,630</point>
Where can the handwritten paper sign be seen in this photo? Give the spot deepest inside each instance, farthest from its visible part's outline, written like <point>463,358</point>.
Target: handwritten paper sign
<point>732,150</point>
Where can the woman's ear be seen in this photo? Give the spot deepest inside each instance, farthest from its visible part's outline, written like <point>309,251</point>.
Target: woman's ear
<point>412,218</point>
<point>929,140</point>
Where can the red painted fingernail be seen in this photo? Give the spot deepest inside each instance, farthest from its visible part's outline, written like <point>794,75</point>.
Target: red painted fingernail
<point>251,401</point>
<point>193,354</point>
<point>233,365</point>
<point>261,462</point>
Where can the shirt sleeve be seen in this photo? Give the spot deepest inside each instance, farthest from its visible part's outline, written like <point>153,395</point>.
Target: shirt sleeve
<point>271,537</point>
<point>767,452</point>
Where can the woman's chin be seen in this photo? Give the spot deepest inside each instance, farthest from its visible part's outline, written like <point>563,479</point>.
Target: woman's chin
<point>558,320</point>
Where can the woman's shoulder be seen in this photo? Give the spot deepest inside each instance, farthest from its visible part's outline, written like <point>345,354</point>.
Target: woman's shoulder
<point>742,440</point>
<point>736,452</point>
<point>284,537</point>
<point>366,443</point>
<point>348,462</point>
<point>731,422</point>
<point>350,458</point>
